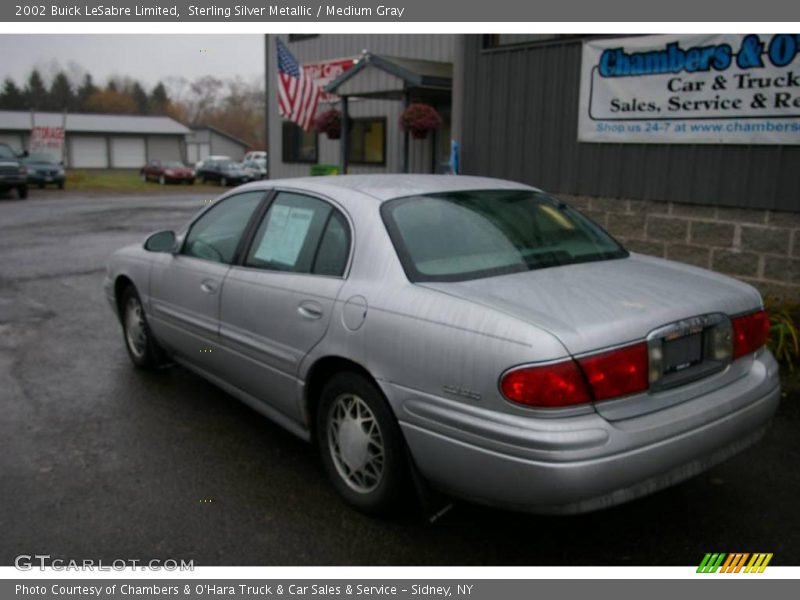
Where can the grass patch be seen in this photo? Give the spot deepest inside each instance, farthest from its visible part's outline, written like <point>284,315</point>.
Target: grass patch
<point>125,182</point>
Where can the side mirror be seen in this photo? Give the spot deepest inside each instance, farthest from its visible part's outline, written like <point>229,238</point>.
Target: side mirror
<point>161,241</point>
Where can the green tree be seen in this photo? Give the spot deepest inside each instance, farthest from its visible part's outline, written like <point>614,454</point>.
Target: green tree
<point>61,95</point>
<point>159,100</point>
<point>36,95</point>
<point>85,91</point>
<point>11,98</point>
<point>139,96</point>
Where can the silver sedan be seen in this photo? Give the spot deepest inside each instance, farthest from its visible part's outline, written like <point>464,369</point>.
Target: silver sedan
<point>475,335</point>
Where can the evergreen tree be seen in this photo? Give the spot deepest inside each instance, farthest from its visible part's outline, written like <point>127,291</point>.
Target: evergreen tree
<point>36,95</point>
<point>11,98</point>
<point>159,100</point>
<point>85,91</point>
<point>139,96</point>
<point>61,95</point>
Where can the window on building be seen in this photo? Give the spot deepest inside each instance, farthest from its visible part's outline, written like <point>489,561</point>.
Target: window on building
<point>498,40</point>
<point>299,146</point>
<point>367,141</point>
<point>299,37</point>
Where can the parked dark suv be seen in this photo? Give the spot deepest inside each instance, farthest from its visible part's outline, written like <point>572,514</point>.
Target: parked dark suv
<point>13,173</point>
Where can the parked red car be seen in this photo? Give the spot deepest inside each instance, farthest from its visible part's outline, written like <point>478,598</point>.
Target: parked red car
<point>167,171</point>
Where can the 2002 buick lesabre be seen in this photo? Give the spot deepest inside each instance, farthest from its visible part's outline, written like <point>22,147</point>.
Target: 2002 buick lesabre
<point>475,332</point>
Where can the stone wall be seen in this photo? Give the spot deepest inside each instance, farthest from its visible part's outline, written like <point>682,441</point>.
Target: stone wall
<point>760,247</point>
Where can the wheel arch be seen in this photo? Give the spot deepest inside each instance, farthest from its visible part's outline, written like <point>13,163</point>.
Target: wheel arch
<point>319,373</point>
<point>121,283</point>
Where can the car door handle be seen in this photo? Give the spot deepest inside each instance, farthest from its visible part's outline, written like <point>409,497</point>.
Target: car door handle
<point>309,309</point>
<point>209,286</point>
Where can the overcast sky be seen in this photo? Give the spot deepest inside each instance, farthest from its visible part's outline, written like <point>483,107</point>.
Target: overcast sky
<point>147,58</point>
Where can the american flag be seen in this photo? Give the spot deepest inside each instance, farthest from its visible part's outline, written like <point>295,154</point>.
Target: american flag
<point>298,95</point>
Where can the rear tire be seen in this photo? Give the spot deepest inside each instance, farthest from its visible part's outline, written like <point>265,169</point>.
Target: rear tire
<point>361,445</point>
<point>22,192</point>
<point>139,341</point>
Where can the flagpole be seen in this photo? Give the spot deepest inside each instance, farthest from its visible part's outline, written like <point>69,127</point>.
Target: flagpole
<point>266,101</point>
<point>344,139</point>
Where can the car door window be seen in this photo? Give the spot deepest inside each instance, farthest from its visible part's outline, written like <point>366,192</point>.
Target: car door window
<point>216,234</point>
<point>289,237</point>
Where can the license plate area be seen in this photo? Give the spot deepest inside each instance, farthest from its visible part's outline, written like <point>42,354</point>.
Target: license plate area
<point>688,350</point>
<point>683,352</point>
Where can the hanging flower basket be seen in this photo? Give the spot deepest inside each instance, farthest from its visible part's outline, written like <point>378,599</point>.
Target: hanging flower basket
<point>329,122</point>
<point>420,118</point>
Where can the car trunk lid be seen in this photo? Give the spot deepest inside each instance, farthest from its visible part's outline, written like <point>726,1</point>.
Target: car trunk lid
<point>600,305</point>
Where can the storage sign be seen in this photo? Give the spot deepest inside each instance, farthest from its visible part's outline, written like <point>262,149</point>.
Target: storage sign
<point>691,89</point>
<point>49,140</point>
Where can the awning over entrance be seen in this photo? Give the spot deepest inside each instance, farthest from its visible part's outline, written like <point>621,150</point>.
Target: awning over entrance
<point>391,78</point>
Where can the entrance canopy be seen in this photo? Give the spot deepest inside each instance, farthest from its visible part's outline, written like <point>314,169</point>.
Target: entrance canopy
<point>390,77</point>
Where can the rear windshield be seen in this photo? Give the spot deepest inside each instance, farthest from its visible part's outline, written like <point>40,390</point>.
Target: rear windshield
<point>457,236</point>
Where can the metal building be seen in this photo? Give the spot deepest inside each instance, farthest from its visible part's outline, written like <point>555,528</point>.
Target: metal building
<point>95,141</point>
<point>204,141</point>
<point>520,107</point>
<point>393,71</point>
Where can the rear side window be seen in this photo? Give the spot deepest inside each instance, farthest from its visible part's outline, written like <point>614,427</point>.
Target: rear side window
<point>458,236</point>
<point>300,234</point>
<point>334,247</point>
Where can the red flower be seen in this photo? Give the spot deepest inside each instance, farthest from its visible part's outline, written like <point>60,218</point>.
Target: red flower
<point>420,118</point>
<point>330,123</point>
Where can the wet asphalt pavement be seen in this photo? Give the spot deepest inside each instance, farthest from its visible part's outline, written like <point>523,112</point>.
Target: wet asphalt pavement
<point>98,460</point>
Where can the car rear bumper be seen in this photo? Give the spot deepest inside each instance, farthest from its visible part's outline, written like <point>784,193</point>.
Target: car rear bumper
<point>584,463</point>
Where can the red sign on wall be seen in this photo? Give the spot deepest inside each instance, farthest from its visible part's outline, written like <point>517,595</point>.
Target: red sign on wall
<point>324,72</point>
<point>47,139</point>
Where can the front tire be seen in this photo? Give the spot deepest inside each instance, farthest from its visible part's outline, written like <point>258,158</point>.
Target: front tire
<point>162,180</point>
<point>224,182</point>
<point>22,192</point>
<point>142,347</point>
<point>361,445</point>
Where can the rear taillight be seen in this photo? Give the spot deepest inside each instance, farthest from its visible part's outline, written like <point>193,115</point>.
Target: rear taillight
<point>750,332</point>
<point>609,375</point>
<point>549,386</point>
<point>617,373</point>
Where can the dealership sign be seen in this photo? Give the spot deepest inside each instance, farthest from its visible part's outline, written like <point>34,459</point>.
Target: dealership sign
<point>48,140</point>
<point>324,72</point>
<point>691,89</point>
